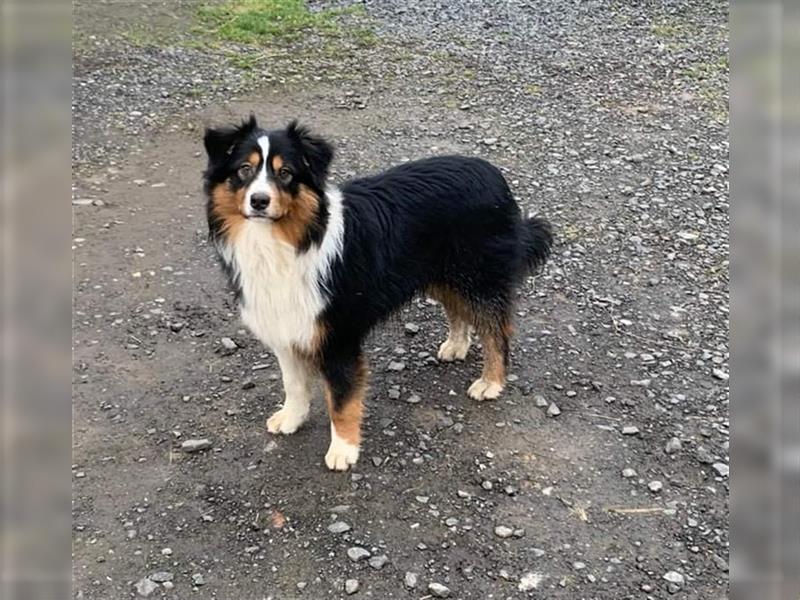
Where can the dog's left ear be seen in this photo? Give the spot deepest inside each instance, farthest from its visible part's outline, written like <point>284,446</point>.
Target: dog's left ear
<point>317,153</point>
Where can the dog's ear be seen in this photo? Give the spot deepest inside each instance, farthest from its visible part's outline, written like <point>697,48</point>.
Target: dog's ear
<point>219,142</point>
<point>317,153</point>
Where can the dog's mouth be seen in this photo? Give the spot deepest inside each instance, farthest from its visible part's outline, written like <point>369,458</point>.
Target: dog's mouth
<point>262,216</point>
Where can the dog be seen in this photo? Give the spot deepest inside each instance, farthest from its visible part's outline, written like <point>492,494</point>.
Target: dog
<point>316,267</point>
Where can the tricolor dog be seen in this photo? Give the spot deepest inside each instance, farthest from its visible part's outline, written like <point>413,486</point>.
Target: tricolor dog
<point>316,267</point>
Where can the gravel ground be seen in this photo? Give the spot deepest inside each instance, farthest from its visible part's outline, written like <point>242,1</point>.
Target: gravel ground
<point>601,473</point>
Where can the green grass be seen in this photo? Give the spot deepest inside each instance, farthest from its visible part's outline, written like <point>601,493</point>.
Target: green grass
<point>264,21</point>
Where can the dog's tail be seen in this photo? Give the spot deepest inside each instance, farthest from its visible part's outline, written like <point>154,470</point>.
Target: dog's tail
<point>537,241</point>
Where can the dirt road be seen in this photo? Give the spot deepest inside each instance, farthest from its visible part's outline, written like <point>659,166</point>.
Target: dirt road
<point>602,472</point>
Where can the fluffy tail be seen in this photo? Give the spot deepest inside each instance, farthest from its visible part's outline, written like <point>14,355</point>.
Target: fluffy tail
<point>537,241</point>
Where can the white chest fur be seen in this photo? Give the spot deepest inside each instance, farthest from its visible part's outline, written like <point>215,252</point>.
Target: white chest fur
<point>283,291</point>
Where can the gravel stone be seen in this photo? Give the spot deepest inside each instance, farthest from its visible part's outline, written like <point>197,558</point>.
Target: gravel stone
<point>378,562</point>
<point>196,445</point>
<point>655,486</point>
<point>722,469</point>
<point>630,430</point>
<point>351,586</point>
<point>541,401</point>
<point>357,553</point>
<point>502,531</point>
<point>198,579</point>
<point>410,580</point>
<point>553,410</point>
<point>438,590</point>
<point>161,576</point>
<point>628,473</point>
<point>673,446</point>
<point>339,527</point>
<point>145,587</point>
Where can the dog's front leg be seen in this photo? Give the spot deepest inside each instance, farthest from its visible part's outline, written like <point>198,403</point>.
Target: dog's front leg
<point>345,389</point>
<point>298,379</point>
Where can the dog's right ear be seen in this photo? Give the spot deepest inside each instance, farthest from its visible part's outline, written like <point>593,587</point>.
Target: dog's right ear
<point>220,142</point>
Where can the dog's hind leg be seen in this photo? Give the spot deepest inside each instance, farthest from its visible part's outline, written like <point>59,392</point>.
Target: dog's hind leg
<point>458,341</point>
<point>494,330</point>
<point>345,389</point>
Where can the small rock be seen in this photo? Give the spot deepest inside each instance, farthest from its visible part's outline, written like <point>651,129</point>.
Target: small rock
<point>176,326</point>
<point>161,576</point>
<point>721,375</point>
<point>438,590</point>
<point>351,586</point>
<point>410,580</point>
<point>394,393</point>
<point>541,402</point>
<point>722,469</point>
<point>490,141</point>
<point>196,445</point>
<point>198,579</point>
<point>396,365</point>
<point>630,430</point>
<point>628,473</point>
<point>578,565</point>
<point>704,455</point>
<point>411,328</point>
<point>655,486</point>
<point>378,562</point>
<point>301,585</point>
<point>166,551</point>
<point>228,344</point>
<point>357,553</point>
<point>530,581</point>
<point>145,586</point>
<point>553,410</point>
<point>674,577</point>
<point>82,202</point>
<point>339,527</point>
<point>673,446</point>
<point>502,531</point>
<point>413,399</point>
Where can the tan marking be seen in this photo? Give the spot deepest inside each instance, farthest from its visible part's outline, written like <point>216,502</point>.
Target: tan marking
<point>294,214</point>
<point>455,305</point>
<point>226,206</point>
<point>277,163</point>
<point>312,354</point>
<point>254,159</point>
<point>347,420</point>
<point>494,368</point>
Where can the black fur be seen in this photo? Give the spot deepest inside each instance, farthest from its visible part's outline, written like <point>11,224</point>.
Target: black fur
<point>448,221</point>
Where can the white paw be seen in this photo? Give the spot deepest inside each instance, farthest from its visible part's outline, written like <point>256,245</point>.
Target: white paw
<point>341,455</point>
<point>286,421</point>
<point>452,350</point>
<point>484,390</point>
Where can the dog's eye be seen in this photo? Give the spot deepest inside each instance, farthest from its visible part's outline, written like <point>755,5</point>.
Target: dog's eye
<point>245,171</point>
<point>285,174</point>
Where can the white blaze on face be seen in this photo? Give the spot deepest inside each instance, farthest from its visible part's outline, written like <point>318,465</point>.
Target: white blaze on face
<point>261,183</point>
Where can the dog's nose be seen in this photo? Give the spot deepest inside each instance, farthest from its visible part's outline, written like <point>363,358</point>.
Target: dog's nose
<point>259,201</point>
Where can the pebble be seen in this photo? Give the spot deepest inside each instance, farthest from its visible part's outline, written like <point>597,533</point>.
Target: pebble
<point>674,577</point>
<point>161,576</point>
<point>378,562</point>
<point>396,365</point>
<point>438,590</point>
<point>339,527</point>
<point>529,581</point>
<point>413,399</point>
<point>673,446</point>
<point>198,579</point>
<point>541,402</point>
<point>411,328</point>
<point>351,586</point>
<point>630,430</point>
<point>196,445</point>
<point>357,553</point>
<point>502,531</point>
<point>655,486</point>
<point>628,473</point>
<point>553,410</point>
<point>721,375</point>
<point>410,580</point>
<point>704,455</point>
<point>228,344</point>
<point>722,469</point>
<point>394,393</point>
<point>145,586</point>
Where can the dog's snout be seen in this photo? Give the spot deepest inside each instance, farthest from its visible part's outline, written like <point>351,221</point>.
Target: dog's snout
<point>259,201</point>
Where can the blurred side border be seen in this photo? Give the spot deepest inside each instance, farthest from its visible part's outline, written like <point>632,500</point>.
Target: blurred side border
<point>35,37</point>
<point>765,325</point>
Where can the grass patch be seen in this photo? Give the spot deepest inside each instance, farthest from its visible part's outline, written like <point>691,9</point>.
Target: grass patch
<point>262,21</point>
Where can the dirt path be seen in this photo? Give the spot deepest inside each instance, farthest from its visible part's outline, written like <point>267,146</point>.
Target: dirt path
<point>627,328</point>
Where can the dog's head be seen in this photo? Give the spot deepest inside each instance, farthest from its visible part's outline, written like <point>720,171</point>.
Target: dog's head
<point>269,176</point>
